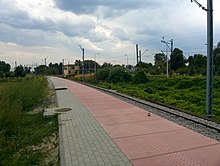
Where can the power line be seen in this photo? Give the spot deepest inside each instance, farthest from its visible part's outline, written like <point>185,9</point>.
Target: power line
<point>199,4</point>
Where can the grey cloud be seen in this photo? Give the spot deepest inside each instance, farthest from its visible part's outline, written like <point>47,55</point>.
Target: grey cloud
<point>22,36</point>
<point>13,17</point>
<point>96,37</point>
<point>114,6</point>
<point>120,33</point>
<point>16,24</point>
<point>71,29</point>
<point>18,19</point>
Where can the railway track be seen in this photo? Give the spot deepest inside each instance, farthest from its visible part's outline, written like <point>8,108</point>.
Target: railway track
<point>200,125</point>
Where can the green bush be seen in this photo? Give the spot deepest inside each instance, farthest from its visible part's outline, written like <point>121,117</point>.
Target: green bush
<point>149,90</point>
<point>140,77</point>
<point>187,82</point>
<point>102,74</point>
<point>118,74</point>
<point>162,88</point>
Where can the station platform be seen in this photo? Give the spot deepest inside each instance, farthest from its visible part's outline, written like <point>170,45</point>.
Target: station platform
<point>103,130</point>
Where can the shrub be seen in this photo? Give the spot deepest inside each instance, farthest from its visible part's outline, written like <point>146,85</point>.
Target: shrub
<point>149,90</point>
<point>78,77</point>
<point>118,74</point>
<point>10,115</point>
<point>18,130</point>
<point>17,96</point>
<point>187,82</point>
<point>28,91</point>
<point>162,88</point>
<point>140,77</point>
<point>102,74</point>
<point>90,78</point>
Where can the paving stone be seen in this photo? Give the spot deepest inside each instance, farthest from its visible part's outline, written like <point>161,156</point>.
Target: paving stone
<point>83,141</point>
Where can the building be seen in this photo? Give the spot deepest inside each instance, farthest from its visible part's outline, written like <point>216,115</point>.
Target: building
<point>70,70</point>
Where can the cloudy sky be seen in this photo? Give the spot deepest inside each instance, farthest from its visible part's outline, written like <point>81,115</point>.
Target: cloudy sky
<point>31,31</point>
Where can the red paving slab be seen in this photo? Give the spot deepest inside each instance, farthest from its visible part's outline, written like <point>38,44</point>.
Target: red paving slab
<point>109,112</point>
<point>144,146</point>
<point>141,128</point>
<point>145,140</point>
<point>126,118</point>
<point>106,106</point>
<point>204,156</point>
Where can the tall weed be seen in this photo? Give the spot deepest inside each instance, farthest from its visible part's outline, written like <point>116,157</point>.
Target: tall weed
<point>10,115</point>
<point>19,130</point>
<point>27,91</point>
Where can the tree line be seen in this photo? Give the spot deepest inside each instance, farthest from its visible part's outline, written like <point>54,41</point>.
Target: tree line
<point>22,71</point>
<point>178,64</point>
<point>19,71</point>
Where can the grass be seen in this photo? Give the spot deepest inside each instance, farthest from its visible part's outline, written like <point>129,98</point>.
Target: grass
<point>186,93</point>
<point>19,130</point>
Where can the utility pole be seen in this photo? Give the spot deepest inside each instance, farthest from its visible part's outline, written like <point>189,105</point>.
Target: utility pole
<point>137,52</point>
<point>63,66</point>
<point>209,84</point>
<point>169,45</point>
<point>36,68</point>
<point>209,79</point>
<point>166,56</point>
<point>127,61</point>
<point>15,64</point>
<point>83,52</point>
<point>95,61</point>
<point>139,55</point>
<point>143,53</point>
<point>45,61</point>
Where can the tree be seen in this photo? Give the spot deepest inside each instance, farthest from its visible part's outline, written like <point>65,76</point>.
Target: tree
<point>19,71</point>
<point>102,74</point>
<point>197,64</point>
<point>4,68</point>
<point>217,59</point>
<point>60,68</point>
<point>53,69</point>
<point>144,65</point>
<point>159,60</point>
<point>177,59</point>
<point>42,69</point>
<point>140,77</point>
<point>80,64</point>
<point>104,65</point>
<point>160,63</point>
<point>118,74</point>
<point>27,70</point>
